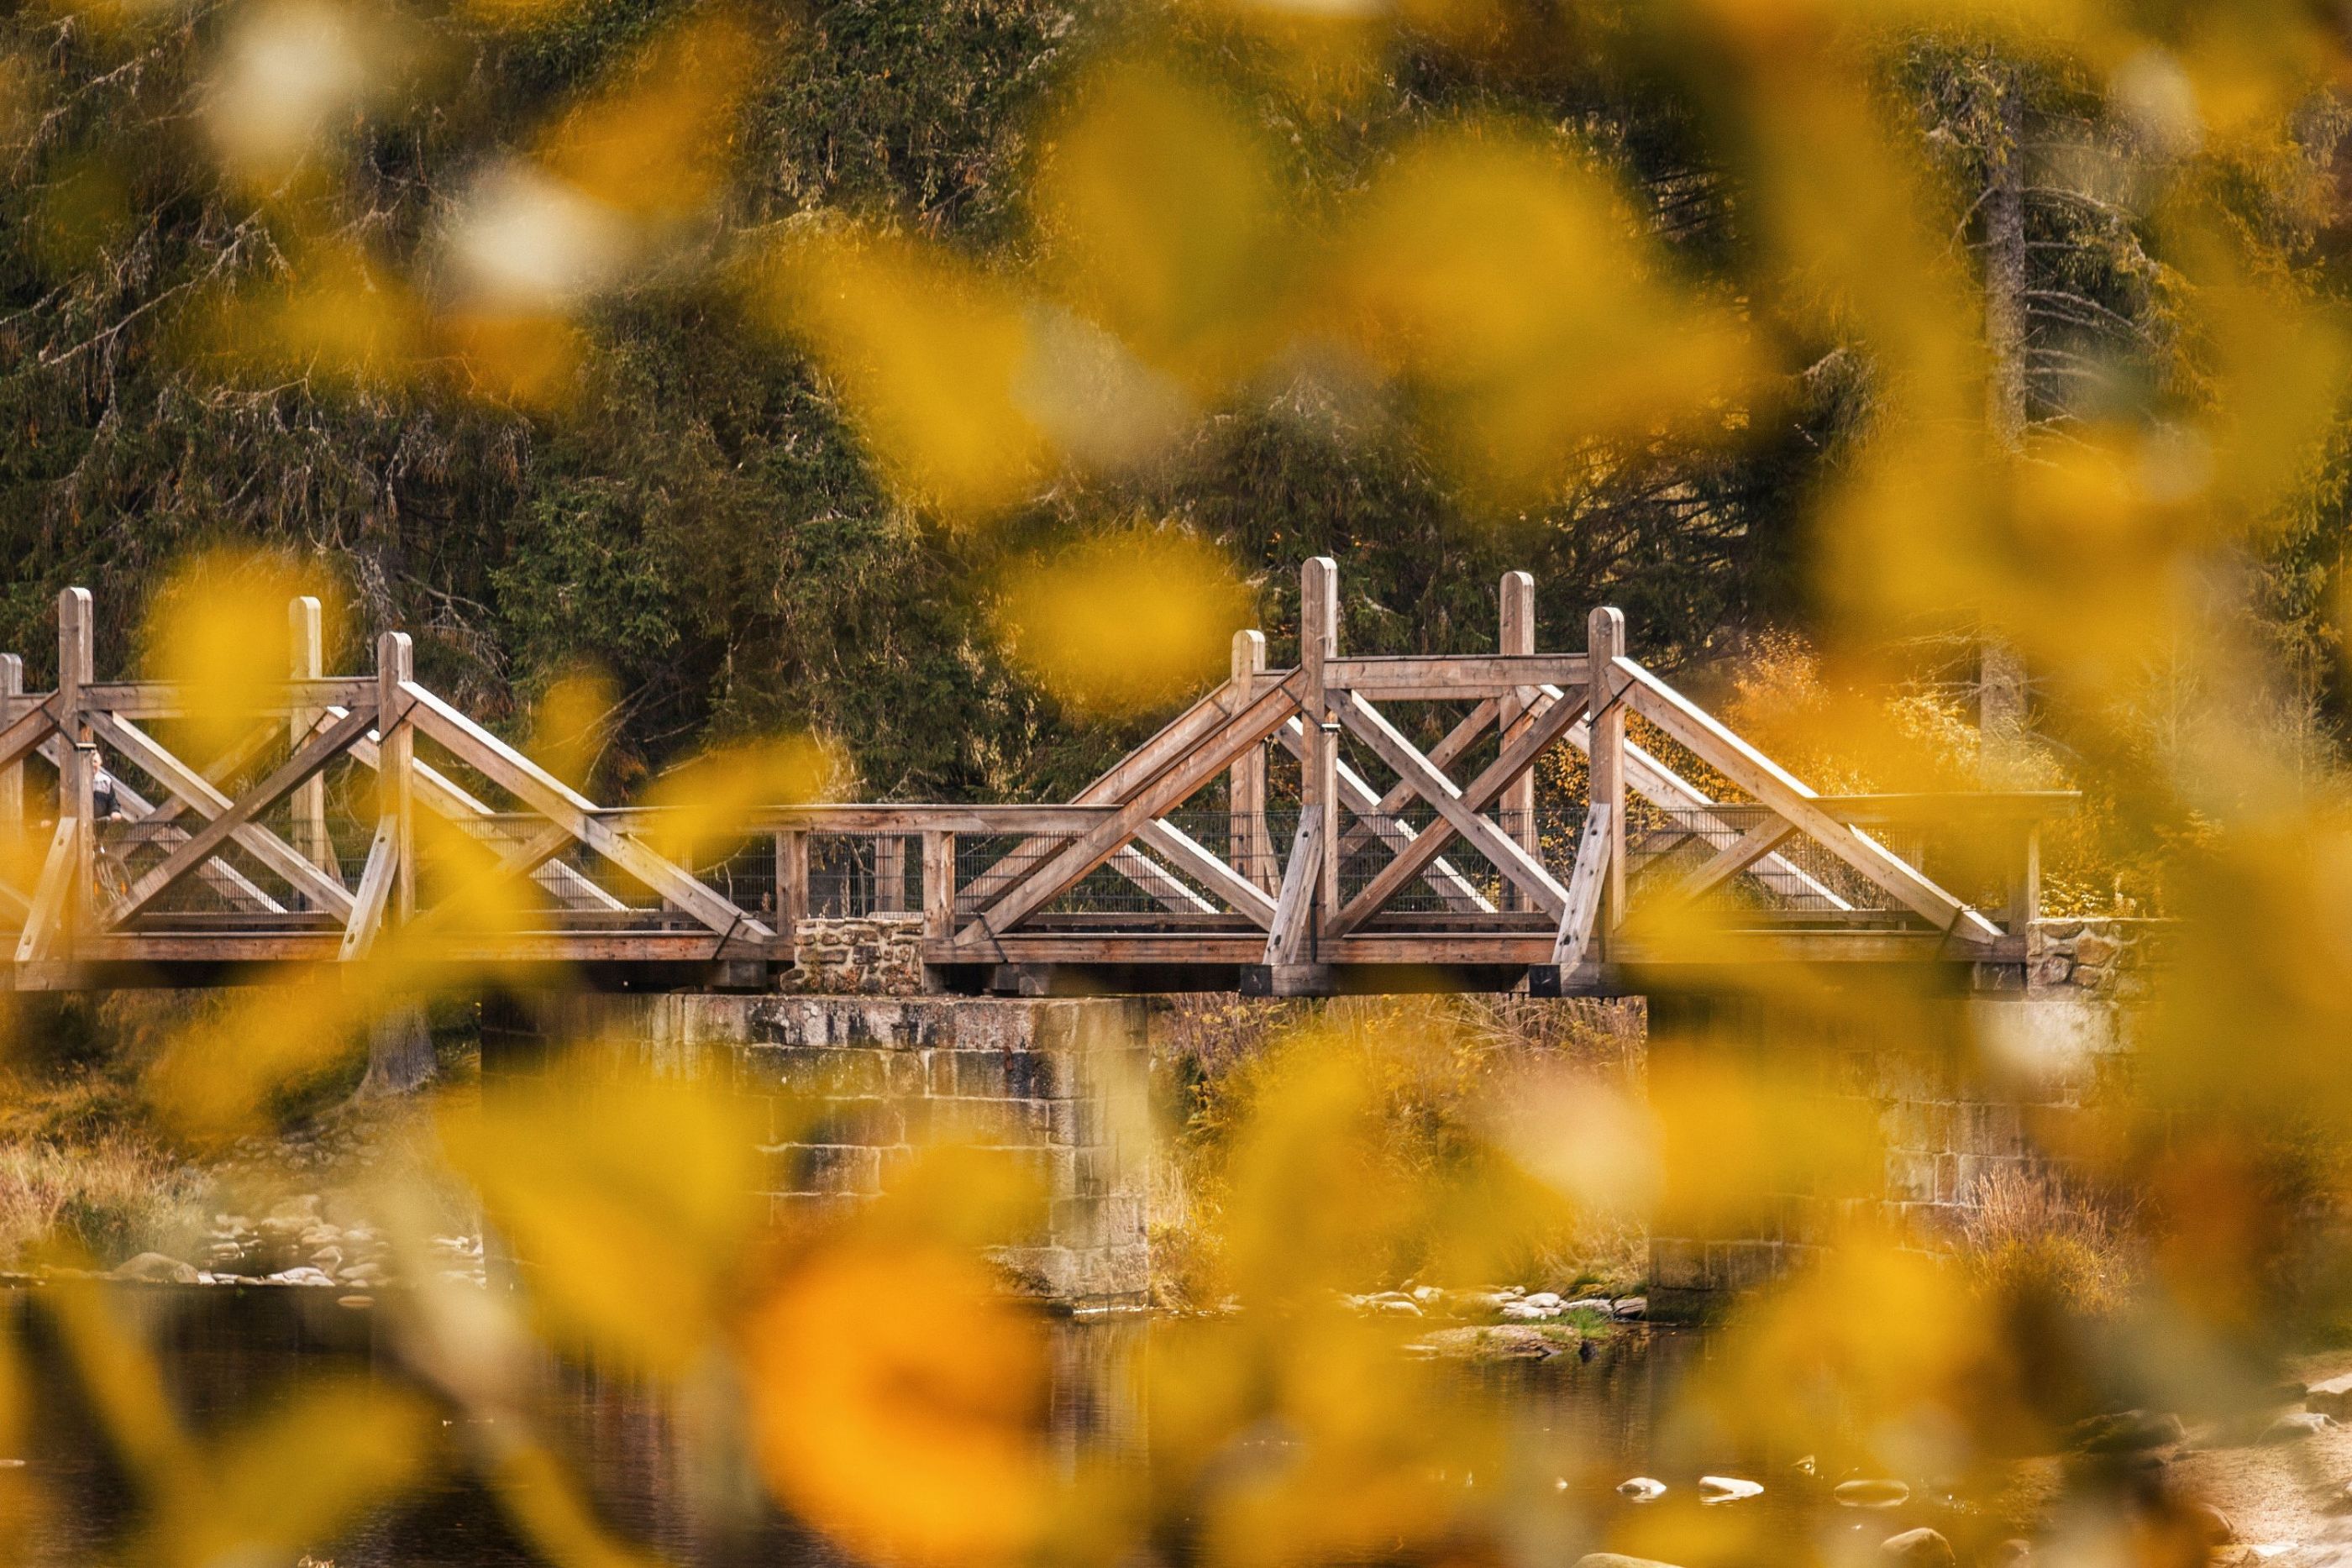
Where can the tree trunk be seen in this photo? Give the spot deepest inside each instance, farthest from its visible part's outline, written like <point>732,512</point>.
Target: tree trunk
<point>400,1053</point>
<point>2000,673</point>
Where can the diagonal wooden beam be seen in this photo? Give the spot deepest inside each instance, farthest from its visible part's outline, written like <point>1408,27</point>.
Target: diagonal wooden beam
<point>444,797</point>
<point>1584,883</point>
<point>1516,757</point>
<point>1163,886</point>
<point>1212,755</point>
<point>1733,858</point>
<point>183,781</point>
<point>1370,809</point>
<point>551,797</point>
<point>44,931</point>
<point>223,878</point>
<point>366,918</point>
<point>1292,924</point>
<point>274,787</point>
<point>1780,791</point>
<point>25,732</point>
<point>1189,854</point>
<point>1371,726</point>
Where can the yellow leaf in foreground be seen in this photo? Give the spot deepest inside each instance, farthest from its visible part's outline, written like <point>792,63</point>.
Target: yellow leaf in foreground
<point>200,634</point>
<point>898,1399</point>
<point>1128,622</point>
<point>631,1198</point>
<point>928,354</point>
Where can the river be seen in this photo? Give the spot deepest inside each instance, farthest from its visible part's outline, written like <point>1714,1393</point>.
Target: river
<point>228,1353</point>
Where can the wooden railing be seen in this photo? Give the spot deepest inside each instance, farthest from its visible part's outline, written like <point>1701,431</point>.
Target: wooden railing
<point>1364,821</point>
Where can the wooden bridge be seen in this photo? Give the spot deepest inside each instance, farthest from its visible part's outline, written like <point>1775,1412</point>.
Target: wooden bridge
<point>1475,820</point>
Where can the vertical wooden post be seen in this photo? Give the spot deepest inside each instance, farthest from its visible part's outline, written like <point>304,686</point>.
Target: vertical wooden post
<point>12,778</point>
<point>307,662</point>
<point>791,890</point>
<point>1604,642</point>
<point>78,775</point>
<point>395,663</point>
<point>938,884</point>
<point>2025,885</point>
<point>1518,635</point>
<point>1318,782</point>
<point>1246,839</point>
<point>890,875</point>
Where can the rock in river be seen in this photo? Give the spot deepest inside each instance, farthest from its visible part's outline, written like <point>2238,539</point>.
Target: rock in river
<point>2125,1432</point>
<point>1872,1491</point>
<point>155,1269</point>
<point>1618,1560</point>
<point>1727,1489</point>
<point>1920,1548</point>
<point>1641,1489</point>
<point>2295,1425</point>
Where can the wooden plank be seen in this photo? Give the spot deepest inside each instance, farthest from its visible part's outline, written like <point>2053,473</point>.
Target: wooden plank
<point>1161,885</point>
<point>1318,783</point>
<point>25,732</point>
<point>77,773</point>
<point>366,918</point>
<point>313,755</point>
<point>306,660</point>
<point>444,797</point>
<point>154,825</point>
<point>43,933</point>
<point>1245,829</point>
<point>147,700</point>
<point>1733,858</point>
<point>1375,816</point>
<point>1292,929</point>
<point>1188,854</point>
<point>12,776</point>
<point>1510,763</point>
<point>1444,678</point>
<point>559,803</point>
<point>1371,726</point>
<point>1515,635</point>
<point>150,758</point>
<point>1585,879</point>
<point>1043,883</point>
<point>1604,640</point>
<point>395,784</point>
<point>938,885</point>
<point>1762,776</point>
<point>791,886</point>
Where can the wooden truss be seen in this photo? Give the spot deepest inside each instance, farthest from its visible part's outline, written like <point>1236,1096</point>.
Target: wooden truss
<point>1345,820</point>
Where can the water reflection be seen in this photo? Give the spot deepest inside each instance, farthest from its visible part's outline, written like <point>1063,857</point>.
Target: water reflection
<point>666,1465</point>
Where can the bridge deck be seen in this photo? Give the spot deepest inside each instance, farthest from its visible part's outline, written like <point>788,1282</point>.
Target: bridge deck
<point>1344,823</point>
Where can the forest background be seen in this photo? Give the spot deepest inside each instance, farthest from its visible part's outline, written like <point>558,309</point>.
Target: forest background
<point>672,521</point>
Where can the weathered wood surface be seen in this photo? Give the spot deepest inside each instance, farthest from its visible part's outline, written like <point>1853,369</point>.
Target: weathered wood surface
<point>1421,840</point>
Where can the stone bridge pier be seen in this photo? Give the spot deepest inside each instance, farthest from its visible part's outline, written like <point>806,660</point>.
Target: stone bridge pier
<point>1060,1086</point>
<point>1894,1109</point>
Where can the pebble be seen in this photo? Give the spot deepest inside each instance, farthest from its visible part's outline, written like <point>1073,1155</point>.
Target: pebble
<point>356,1302</point>
<point>155,1269</point>
<point>1869,1491</point>
<point>1641,1489</point>
<point>1630,1306</point>
<point>2126,1431</point>
<point>1928,1548</point>
<point>1548,1299</point>
<point>2296,1426</point>
<point>300,1277</point>
<point>1727,1489</point>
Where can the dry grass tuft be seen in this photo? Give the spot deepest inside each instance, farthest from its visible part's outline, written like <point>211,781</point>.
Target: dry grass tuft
<point>2031,1236</point>
<point>110,1199</point>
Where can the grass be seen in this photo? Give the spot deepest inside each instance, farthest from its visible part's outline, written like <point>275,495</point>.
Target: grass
<point>1211,1058</point>
<point>110,1200</point>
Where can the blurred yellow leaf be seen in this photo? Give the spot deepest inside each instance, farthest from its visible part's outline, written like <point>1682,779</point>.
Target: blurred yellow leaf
<point>1161,204</point>
<point>336,314</point>
<point>297,1477</point>
<point>200,636</point>
<point>1123,622</point>
<point>571,723</point>
<point>654,141</point>
<point>897,1400</point>
<point>928,353</point>
<point>705,804</point>
<point>1513,290</point>
<point>291,73</point>
<point>632,1197</point>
